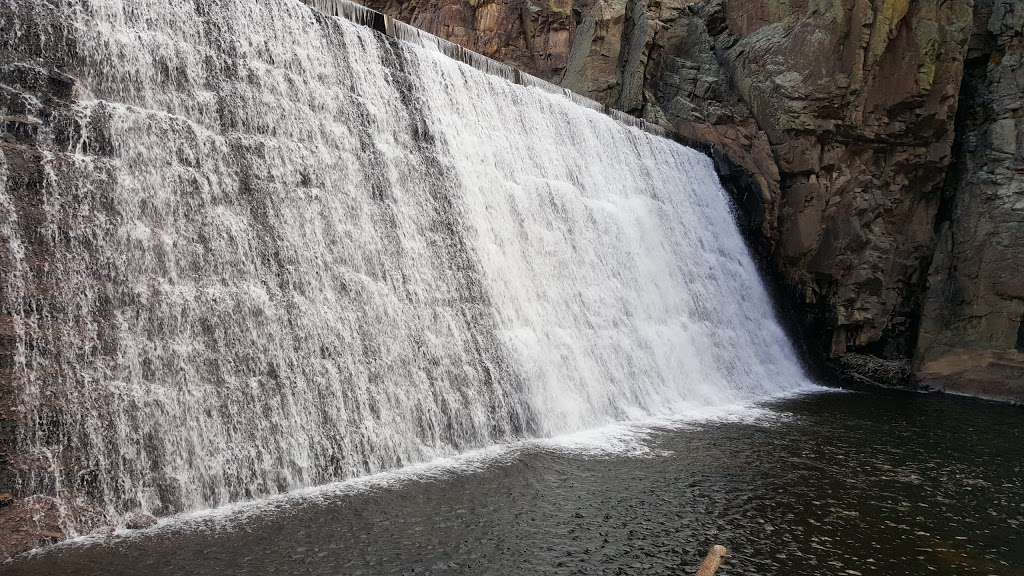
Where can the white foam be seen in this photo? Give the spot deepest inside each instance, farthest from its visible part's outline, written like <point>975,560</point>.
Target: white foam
<point>617,440</point>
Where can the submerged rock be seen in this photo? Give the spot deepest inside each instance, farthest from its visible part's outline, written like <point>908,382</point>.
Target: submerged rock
<point>103,531</point>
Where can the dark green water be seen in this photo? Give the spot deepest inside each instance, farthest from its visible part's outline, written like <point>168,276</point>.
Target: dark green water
<point>837,484</point>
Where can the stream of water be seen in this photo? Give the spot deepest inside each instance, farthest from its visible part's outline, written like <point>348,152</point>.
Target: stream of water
<point>267,249</point>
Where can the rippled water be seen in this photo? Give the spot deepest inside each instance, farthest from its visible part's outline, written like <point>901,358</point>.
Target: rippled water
<point>841,483</point>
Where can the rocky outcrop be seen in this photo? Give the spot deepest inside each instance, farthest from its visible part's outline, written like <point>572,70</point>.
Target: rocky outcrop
<point>28,523</point>
<point>972,333</point>
<point>599,48</point>
<point>841,117</point>
<point>520,34</point>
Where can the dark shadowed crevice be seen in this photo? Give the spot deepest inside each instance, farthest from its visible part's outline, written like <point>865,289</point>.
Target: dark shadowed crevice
<point>1020,336</point>
<point>808,326</point>
<point>629,91</point>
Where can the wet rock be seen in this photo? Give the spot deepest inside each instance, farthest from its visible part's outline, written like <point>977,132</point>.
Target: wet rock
<point>139,521</point>
<point>857,104</point>
<point>29,523</point>
<point>103,531</point>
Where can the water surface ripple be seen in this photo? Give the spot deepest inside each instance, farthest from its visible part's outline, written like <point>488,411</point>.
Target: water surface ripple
<point>833,484</point>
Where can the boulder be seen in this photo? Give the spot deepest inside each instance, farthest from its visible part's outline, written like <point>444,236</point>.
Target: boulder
<point>139,521</point>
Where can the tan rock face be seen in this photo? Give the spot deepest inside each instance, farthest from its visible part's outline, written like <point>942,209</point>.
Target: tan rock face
<point>841,114</point>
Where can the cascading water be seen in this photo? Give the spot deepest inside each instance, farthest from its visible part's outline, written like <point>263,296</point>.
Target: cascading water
<point>264,248</point>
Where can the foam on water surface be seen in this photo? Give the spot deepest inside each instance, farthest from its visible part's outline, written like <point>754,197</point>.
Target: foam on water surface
<point>617,440</point>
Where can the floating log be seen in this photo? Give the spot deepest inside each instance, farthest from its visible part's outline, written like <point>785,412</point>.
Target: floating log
<point>713,561</point>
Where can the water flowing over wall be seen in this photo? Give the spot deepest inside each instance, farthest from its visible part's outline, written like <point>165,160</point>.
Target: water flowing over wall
<point>249,247</point>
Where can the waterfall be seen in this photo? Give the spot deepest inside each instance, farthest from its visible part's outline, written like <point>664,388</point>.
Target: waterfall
<point>258,248</point>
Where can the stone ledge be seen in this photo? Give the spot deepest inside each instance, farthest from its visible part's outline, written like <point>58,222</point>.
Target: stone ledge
<point>992,375</point>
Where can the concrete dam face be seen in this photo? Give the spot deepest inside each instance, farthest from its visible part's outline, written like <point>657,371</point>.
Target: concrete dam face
<point>249,247</point>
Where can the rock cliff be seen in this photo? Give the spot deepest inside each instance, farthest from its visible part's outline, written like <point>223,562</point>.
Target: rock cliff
<point>899,253</point>
<point>972,334</point>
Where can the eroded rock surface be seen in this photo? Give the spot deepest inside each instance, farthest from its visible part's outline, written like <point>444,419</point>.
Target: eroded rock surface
<point>842,117</point>
<point>28,523</point>
<point>972,334</point>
